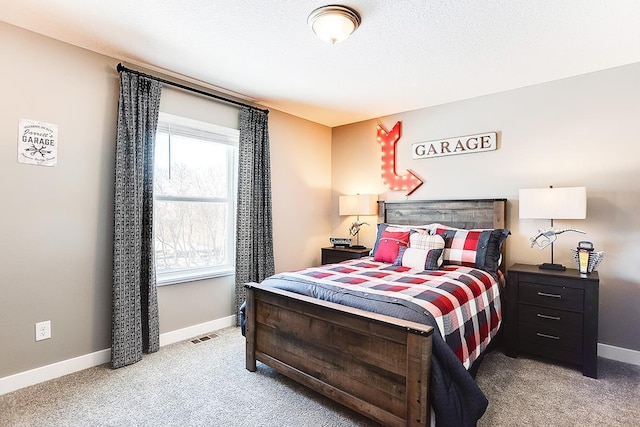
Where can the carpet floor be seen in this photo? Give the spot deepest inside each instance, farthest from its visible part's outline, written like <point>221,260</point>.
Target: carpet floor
<point>206,384</point>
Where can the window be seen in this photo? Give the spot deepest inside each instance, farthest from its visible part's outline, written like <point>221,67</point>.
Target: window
<point>194,199</point>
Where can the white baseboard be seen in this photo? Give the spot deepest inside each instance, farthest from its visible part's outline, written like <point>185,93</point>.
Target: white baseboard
<point>58,369</point>
<point>55,370</point>
<point>618,353</point>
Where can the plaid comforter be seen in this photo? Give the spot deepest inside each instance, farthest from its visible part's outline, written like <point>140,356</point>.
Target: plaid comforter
<point>465,302</point>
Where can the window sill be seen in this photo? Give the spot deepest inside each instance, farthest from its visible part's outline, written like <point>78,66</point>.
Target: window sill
<point>184,277</point>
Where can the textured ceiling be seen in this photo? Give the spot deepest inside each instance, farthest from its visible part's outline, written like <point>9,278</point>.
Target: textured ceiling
<point>407,54</point>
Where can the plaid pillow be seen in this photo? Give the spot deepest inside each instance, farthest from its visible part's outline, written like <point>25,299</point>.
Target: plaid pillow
<point>473,248</point>
<point>420,259</point>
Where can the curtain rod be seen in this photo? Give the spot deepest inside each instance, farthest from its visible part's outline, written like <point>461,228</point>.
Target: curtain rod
<point>121,67</point>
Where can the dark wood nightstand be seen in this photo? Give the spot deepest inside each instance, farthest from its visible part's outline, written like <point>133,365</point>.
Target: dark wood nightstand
<point>553,314</point>
<point>333,255</point>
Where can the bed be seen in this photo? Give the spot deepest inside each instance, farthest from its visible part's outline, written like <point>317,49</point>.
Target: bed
<point>343,331</point>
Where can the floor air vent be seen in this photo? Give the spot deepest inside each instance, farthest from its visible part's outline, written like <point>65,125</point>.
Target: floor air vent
<point>204,338</point>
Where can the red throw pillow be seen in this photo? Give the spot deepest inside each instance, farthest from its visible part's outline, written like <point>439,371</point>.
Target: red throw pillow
<point>389,245</point>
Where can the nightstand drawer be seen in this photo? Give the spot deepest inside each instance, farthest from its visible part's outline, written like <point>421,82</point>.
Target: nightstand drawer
<point>552,296</point>
<point>336,258</point>
<point>554,352</point>
<point>337,255</point>
<point>550,318</point>
<point>540,335</point>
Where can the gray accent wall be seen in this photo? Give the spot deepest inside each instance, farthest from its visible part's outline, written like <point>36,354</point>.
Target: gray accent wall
<point>580,131</point>
<point>56,222</point>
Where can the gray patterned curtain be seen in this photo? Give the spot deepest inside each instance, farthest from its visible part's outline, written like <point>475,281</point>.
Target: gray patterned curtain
<point>135,305</point>
<point>254,227</point>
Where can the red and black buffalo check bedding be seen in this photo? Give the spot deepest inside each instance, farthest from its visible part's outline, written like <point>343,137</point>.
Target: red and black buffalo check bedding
<point>464,301</point>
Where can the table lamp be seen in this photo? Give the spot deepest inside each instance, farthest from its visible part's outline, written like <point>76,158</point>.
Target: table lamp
<point>359,204</point>
<point>552,203</point>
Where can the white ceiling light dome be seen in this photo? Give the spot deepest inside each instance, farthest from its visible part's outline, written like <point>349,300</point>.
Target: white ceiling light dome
<point>334,23</point>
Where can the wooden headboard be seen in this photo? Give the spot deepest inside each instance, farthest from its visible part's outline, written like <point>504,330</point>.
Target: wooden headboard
<point>477,213</point>
<point>467,214</point>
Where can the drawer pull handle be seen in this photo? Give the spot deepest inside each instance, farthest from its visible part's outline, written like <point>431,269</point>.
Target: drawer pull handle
<point>544,316</point>
<point>544,294</point>
<point>553,337</point>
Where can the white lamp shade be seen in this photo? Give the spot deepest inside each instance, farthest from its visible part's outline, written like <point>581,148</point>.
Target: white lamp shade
<point>360,204</point>
<point>553,203</point>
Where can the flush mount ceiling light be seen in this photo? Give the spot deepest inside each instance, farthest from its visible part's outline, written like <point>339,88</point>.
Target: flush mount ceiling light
<point>334,23</point>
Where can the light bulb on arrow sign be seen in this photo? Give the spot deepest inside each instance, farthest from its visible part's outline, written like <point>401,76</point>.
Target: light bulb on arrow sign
<point>409,181</point>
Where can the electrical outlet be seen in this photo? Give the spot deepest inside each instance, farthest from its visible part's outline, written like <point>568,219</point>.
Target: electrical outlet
<point>43,330</point>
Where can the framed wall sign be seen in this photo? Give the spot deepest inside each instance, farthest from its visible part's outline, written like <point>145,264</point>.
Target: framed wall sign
<point>37,143</point>
<point>457,145</point>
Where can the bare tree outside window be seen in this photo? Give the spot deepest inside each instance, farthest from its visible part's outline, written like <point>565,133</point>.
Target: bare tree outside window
<point>194,190</point>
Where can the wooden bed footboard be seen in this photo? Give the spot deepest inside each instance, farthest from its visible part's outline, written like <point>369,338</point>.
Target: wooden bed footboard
<point>374,364</point>
<point>377,365</point>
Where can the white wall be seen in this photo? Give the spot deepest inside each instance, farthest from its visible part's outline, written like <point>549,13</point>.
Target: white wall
<point>580,131</point>
<point>56,223</point>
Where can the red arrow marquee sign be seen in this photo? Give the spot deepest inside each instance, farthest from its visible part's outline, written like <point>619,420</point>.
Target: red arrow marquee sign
<point>408,182</point>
